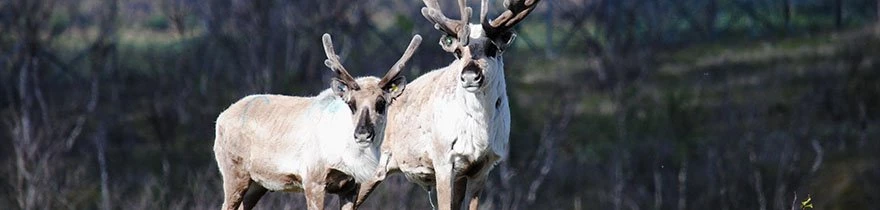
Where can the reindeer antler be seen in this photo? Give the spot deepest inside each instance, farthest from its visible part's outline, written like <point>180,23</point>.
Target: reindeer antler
<point>398,67</point>
<point>333,63</point>
<point>516,12</point>
<point>457,28</point>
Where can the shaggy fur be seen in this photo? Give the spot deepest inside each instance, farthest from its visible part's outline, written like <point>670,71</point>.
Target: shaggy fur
<point>285,143</point>
<point>326,143</point>
<point>451,128</point>
<point>442,134</point>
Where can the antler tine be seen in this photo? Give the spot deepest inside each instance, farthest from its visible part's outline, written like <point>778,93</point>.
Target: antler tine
<point>333,63</point>
<point>458,28</point>
<point>516,12</point>
<point>463,31</point>
<point>432,12</point>
<point>484,10</point>
<point>432,4</point>
<point>398,67</point>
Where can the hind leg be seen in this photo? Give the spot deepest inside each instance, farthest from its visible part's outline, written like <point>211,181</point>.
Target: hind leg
<point>235,180</point>
<point>475,188</point>
<point>348,199</point>
<point>459,187</point>
<point>234,187</point>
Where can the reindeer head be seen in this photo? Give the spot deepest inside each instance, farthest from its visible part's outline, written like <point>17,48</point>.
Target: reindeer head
<point>478,47</point>
<point>368,97</point>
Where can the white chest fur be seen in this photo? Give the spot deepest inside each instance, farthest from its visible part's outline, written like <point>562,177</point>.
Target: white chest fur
<point>477,124</point>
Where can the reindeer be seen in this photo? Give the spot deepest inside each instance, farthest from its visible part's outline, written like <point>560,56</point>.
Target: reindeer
<point>452,125</point>
<point>325,143</point>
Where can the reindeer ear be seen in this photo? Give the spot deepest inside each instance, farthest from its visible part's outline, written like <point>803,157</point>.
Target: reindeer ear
<point>504,40</point>
<point>395,87</point>
<point>339,87</point>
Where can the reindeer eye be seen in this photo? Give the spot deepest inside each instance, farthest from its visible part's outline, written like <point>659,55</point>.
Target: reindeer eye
<point>351,105</point>
<point>491,50</point>
<point>380,106</point>
<point>447,40</point>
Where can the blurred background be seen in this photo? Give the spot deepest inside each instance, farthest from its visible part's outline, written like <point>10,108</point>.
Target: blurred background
<point>616,104</point>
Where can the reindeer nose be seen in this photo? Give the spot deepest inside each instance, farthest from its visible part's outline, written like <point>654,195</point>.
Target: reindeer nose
<point>363,133</point>
<point>471,76</point>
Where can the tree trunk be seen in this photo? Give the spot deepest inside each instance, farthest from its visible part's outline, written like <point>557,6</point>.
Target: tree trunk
<point>23,139</point>
<point>682,185</point>
<point>549,51</point>
<point>752,13</point>
<point>692,18</point>
<point>711,15</point>
<point>838,14</point>
<point>787,10</point>
<point>617,190</point>
<point>757,178</point>
<point>100,146</point>
<point>658,189</point>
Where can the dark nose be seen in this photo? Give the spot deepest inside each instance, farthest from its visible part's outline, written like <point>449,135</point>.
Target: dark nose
<point>364,130</point>
<point>364,133</point>
<point>471,75</point>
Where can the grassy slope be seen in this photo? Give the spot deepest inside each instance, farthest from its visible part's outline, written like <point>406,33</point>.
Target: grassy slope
<point>827,84</point>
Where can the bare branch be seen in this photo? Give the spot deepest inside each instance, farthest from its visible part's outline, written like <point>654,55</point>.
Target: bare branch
<point>81,119</point>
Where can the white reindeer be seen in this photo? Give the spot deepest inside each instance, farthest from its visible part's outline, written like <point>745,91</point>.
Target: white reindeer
<point>452,124</point>
<point>327,142</point>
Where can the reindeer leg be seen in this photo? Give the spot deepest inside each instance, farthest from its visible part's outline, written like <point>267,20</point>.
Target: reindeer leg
<point>253,194</point>
<point>370,185</point>
<point>475,188</point>
<point>348,199</point>
<point>445,186</point>
<point>235,181</point>
<point>365,190</point>
<point>459,187</point>
<point>233,190</point>
<point>314,191</point>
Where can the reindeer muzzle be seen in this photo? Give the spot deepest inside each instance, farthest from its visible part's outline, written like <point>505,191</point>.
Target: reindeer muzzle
<point>365,131</point>
<point>471,77</point>
<point>364,139</point>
